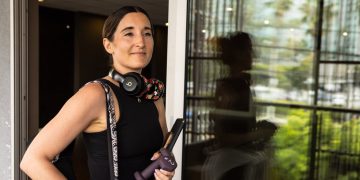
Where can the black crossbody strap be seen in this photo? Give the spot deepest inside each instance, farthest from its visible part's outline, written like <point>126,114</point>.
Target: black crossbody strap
<point>111,131</point>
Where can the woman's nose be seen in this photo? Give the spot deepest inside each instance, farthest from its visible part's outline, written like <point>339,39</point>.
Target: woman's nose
<point>140,41</point>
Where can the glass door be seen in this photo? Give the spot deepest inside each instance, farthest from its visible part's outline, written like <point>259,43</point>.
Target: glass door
<point>272,90</point>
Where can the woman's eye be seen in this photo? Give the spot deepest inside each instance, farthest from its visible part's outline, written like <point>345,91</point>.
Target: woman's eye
<point>148,34</point>
<point>129,34</point>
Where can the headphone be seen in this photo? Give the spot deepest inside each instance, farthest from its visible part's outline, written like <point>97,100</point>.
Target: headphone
<point>134,84</point>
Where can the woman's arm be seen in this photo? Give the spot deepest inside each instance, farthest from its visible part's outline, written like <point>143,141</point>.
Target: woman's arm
<point>77,113</point>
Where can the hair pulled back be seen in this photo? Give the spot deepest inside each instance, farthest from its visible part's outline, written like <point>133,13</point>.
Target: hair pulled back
<point>114,19</point>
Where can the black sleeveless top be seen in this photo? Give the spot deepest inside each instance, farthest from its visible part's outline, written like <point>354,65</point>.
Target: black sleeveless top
<point>139,137</point>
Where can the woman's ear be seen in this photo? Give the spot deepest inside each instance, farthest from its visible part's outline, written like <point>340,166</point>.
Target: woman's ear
<point>108,46</point>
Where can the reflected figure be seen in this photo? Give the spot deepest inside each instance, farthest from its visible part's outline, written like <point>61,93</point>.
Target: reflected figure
<point>239,150</point>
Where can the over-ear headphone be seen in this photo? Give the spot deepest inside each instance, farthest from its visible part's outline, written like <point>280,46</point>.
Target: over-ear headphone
<point>134,84</point>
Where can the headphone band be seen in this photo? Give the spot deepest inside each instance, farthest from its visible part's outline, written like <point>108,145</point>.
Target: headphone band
<point>116,76</point>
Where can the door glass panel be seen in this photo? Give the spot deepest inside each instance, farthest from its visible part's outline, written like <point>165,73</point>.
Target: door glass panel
<point>272,90</point>
<point>339,86</point>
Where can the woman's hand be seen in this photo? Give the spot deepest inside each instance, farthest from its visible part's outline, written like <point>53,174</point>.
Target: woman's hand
<point>161,174</point>
<point>156,155</point>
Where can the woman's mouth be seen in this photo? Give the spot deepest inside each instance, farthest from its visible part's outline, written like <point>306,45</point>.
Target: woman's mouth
<point>138,53</point>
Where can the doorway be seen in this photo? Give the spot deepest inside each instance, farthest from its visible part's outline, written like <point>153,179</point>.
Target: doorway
<point>70,52</point>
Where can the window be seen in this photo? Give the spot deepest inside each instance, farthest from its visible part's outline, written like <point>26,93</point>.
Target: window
<point>304,81</point>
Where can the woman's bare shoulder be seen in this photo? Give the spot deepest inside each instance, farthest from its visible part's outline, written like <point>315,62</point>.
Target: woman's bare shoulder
<point>90,95</point>
<point>92,89</point>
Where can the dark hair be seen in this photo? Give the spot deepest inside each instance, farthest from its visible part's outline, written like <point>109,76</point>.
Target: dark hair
<point>237,50</point>
<point>113,20</point>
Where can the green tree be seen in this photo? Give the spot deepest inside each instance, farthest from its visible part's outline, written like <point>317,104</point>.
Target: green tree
<point>259,74</point>
<point>291,143</point>
<point>280,6</point>
<point>340,137</point>
<point>298,75</point>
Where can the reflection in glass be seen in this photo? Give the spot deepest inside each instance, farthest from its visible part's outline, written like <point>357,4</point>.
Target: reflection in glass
<point>339,86</point>
<point>238,150</point>
<point>301,91</point>
<point>341,33</point>
<point>338,149</point>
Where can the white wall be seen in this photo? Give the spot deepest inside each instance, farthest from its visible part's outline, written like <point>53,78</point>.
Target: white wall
<point>5,95</point>
<point>175,72</point>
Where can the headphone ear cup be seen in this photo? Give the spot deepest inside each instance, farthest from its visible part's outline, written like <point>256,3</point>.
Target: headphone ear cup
<point>133,84</point>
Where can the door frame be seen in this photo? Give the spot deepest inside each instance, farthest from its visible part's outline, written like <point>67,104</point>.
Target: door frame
<point>175,71</point>
<point>24,63</point>
<point>24,76</point>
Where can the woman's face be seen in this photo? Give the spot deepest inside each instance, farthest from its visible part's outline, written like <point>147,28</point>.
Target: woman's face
<point>132,44</point>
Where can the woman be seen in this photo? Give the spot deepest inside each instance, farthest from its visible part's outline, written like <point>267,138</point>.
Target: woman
<point>141,125</point>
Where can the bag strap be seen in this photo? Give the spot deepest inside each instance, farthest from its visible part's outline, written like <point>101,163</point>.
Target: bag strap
<point>111,130</point>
